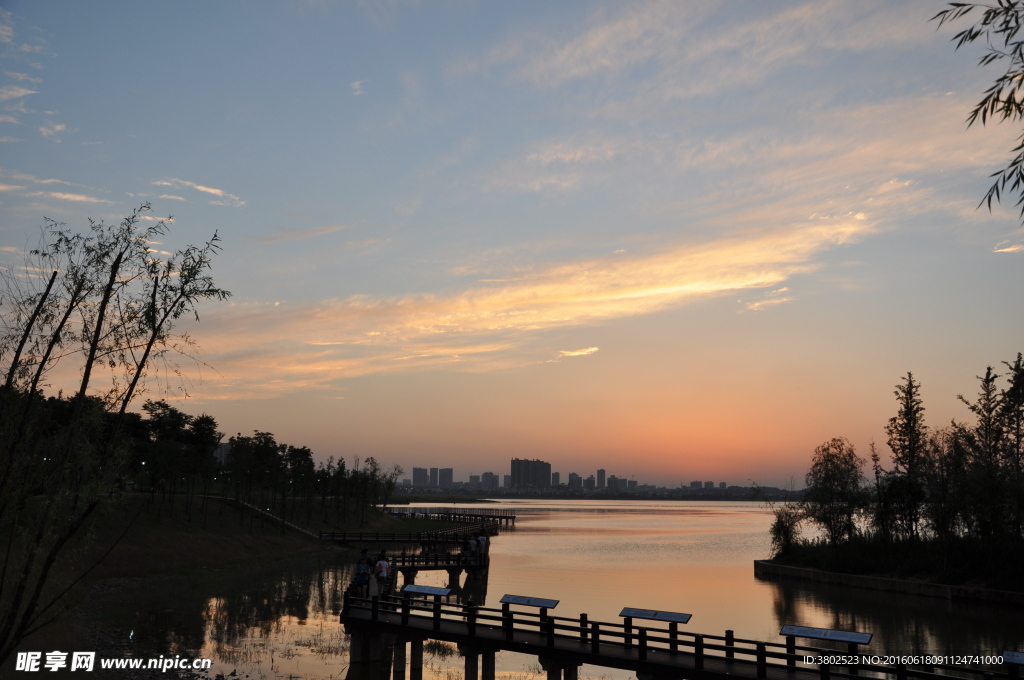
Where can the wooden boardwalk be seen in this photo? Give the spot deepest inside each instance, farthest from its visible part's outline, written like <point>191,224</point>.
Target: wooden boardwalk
<point>457,534</point>
<point>504,516</point>
<point>562,644</point>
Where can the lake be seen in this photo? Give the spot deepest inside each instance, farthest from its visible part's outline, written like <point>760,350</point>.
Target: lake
<point>593,556</point>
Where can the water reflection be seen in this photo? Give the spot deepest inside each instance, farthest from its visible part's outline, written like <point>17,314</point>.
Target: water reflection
<point>596,558</point>
<point>902,624</point>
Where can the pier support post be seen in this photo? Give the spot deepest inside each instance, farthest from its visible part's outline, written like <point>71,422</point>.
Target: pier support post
<point>572,671</point>
<point>553,668</point>
<point>487,664</point>
<point>399,663</point>
<point>472,663</point>
<point>409,576</point>
<point>416,659</point>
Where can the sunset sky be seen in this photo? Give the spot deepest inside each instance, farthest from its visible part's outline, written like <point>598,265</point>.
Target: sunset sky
<point>676,240</point>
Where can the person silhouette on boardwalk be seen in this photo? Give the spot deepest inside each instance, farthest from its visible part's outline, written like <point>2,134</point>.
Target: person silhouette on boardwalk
<point>381,571</point>
<point>364,570</point>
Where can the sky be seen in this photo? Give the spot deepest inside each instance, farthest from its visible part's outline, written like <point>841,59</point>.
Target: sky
<point>677,241</point>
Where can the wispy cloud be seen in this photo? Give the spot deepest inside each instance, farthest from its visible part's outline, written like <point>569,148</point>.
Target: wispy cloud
<point>25,177</point>
<point>484,326</point>
<point>8,119</point>
<point>23,77</point>
<point>52,129</point>
<point>224,197</point>
<point>78,198</point>
<point>293,234</point>
<point>171,197</point>
<point>577,352</point>
<point>9,92</point>
<point>357,88</point>
<point>1006,247</point>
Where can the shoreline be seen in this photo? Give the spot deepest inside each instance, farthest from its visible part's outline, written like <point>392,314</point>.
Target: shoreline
<point>766,570</point>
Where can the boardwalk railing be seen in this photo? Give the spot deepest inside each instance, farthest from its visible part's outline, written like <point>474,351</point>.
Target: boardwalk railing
<point>625,645</point>
<point>457,534</point>
<point>504,516</point>
<point>436,560</point>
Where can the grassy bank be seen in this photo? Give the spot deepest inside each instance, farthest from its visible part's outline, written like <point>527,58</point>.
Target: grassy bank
<point>162,536</point>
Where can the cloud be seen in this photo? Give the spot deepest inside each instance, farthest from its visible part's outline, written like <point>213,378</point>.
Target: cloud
<point>1004,247</point>
<point>357,88</point>
<point>10,187</point>
<point>9,92</point>
<point>577,352</point>
<point>171,197</point>
<point>761,304</point>
<point>52,129</point>
<point>5,139</point>
<point>25,177</point>
<point>484,326</point>
<point>292,234</point>
<point>225,198</point>
<point>8,119</point>
<point>78,198</point>
<point>23,77</point>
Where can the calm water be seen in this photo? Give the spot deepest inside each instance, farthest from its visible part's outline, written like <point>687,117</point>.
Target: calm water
<point>594,557</point>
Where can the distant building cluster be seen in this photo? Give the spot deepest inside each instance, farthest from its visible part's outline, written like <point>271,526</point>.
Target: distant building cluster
<point>534,476</point>
<point>435,479</point>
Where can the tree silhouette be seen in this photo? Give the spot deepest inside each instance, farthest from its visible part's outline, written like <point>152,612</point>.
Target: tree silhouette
<point>998,28</point>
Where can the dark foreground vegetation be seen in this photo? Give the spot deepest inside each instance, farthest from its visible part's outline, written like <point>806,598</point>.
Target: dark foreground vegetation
<point>85,483</point>
<point>949,507</point>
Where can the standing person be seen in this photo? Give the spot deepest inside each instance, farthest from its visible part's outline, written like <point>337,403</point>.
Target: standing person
<point>364,569</point>
<point>381,571</point>
<point>485,545</point>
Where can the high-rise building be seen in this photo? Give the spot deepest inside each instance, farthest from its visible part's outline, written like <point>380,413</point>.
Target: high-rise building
<point>474,481</point>
<point>556,478</point>
<point>445,477</point>
<point>709,485</point>
<point>600,479</point>
<point>695,485</point>
<point>433,477</point>
<point>590,483</point>
<point>489,481</point>
<point>613,483</point>
<point>420,477</point>
<point>508,482</point>
<point>575,482</point>
<point>721,485</point>
<point>530,474</point>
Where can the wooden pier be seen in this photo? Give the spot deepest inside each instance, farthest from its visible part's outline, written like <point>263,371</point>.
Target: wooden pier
<point>503,516</point>
<point>457,534</point>
<point>454,563</point>
<point>563,644</point>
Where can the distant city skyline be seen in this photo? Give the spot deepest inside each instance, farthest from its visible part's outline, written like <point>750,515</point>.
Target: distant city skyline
<point>442,478</point>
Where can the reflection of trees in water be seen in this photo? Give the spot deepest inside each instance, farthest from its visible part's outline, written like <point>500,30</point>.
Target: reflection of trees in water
<point>256,606</point>
<point>900,623</point>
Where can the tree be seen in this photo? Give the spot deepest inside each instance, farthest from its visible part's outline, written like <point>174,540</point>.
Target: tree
<point>987,484</point>
<point>834,495</point>
<point>998,28</point>
<point>109,305</point>
<point>907,439</point>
